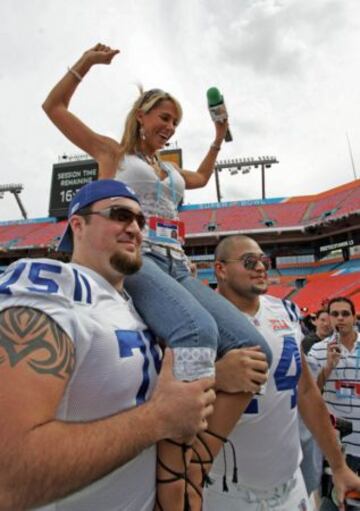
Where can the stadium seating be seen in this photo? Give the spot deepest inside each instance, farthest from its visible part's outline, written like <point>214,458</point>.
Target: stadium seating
<point>286,213</point>
<point>296,271</point>
<point>197,220</point>
<point>10,235</point>
<point>352,202</point>
<point>30,235</point>
<point>329,204</point>
<point>239,218</point>
<point>349,266</point>
<point>294,211</point>
<point>356,299</point>
<point>47,235</point>
<point>325,287</point>
<point>311,268</point>
<point>321,279</point>
<point>280,290</point>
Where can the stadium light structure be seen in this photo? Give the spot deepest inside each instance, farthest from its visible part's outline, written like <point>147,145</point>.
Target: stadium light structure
<point>15,189</point>
<point>73,157</point>
<point>243,165</point>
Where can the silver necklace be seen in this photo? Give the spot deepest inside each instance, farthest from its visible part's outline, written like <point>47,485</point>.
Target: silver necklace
<point>151,160</point>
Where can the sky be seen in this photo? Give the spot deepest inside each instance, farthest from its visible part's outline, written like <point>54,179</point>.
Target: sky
<point>288,70</point>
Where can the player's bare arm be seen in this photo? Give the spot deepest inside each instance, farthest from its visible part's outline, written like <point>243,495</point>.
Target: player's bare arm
<point>309,399</point>
<point>241,370</point>
<point>28,335</point>
<point>44,459</point>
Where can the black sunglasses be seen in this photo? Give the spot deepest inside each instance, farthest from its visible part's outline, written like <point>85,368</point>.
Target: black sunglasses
<point>344,314</point>
<point>249,261</point>
<point>118,214</point>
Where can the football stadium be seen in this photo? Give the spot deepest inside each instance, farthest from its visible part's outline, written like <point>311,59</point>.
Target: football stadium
<point>313,240</point>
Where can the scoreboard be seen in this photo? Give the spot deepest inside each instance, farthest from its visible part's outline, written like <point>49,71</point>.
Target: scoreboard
<point>67,179</point>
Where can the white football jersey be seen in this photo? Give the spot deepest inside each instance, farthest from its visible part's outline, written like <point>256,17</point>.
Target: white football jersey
<point>117,361</point>
<point>266,438</point>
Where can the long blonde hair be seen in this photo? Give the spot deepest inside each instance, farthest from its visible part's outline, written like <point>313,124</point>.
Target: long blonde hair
<point>145,102</point>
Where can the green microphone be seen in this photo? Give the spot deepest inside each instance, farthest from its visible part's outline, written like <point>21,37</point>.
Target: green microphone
<point>217,109</point>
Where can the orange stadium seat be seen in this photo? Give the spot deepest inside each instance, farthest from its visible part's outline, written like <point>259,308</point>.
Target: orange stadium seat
<point>47,235</point>
<point>294,211</point>
<point>328,204</point>
<point>10,235</point>
<point>352,202</point>
<point>286,213</point>
<point>326,287</point>
<point>356,299</point>
<point>336,202</point>
<point>196,220</point>
<point>30,235</point>
<point>280,290</point>
<point>238,217</point>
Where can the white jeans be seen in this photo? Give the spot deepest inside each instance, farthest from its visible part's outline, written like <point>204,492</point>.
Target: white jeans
<point>289,496</point>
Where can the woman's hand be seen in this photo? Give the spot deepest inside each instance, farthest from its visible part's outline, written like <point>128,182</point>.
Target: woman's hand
<point>220,130</point>
<point>100,54</point>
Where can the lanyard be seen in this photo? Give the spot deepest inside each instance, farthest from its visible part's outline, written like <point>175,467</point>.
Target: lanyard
<point>160,186</point>
<point>166,167</point>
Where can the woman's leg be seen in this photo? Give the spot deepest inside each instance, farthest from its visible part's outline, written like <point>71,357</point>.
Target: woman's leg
<point>235,331</point>
<point>176,316</point>
<point>180,316</point>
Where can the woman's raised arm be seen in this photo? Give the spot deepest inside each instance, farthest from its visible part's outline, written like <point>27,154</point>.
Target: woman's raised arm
<point>101,148</point>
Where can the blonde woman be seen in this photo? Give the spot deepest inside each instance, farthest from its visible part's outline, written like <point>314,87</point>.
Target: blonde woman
<point>197,323</point>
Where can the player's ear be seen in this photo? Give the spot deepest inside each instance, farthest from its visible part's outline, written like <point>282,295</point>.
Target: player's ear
<point>76,223</point>
<point>220,270</point>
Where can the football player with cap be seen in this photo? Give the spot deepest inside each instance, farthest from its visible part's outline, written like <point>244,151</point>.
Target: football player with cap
<point>83,405</point>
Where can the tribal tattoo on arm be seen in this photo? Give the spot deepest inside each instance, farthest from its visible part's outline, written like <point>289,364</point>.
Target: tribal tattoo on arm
<point>30,336</point>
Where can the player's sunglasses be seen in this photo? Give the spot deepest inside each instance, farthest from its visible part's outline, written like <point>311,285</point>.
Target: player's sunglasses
<point>250,261</point>
<point>118,214</point>
<point>343,314</point>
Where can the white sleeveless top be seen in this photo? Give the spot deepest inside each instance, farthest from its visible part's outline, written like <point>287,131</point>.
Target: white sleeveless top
<point>159,198</point>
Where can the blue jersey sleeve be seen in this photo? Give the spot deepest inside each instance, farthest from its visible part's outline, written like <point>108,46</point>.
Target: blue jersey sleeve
<point>50,286</point>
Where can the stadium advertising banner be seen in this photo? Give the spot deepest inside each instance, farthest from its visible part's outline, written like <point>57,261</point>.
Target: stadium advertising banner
<point>337,246</point>
<point>67,178</point>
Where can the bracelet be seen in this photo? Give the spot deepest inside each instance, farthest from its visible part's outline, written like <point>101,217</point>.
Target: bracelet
<point>75,73</point>
<point>215,146</point>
